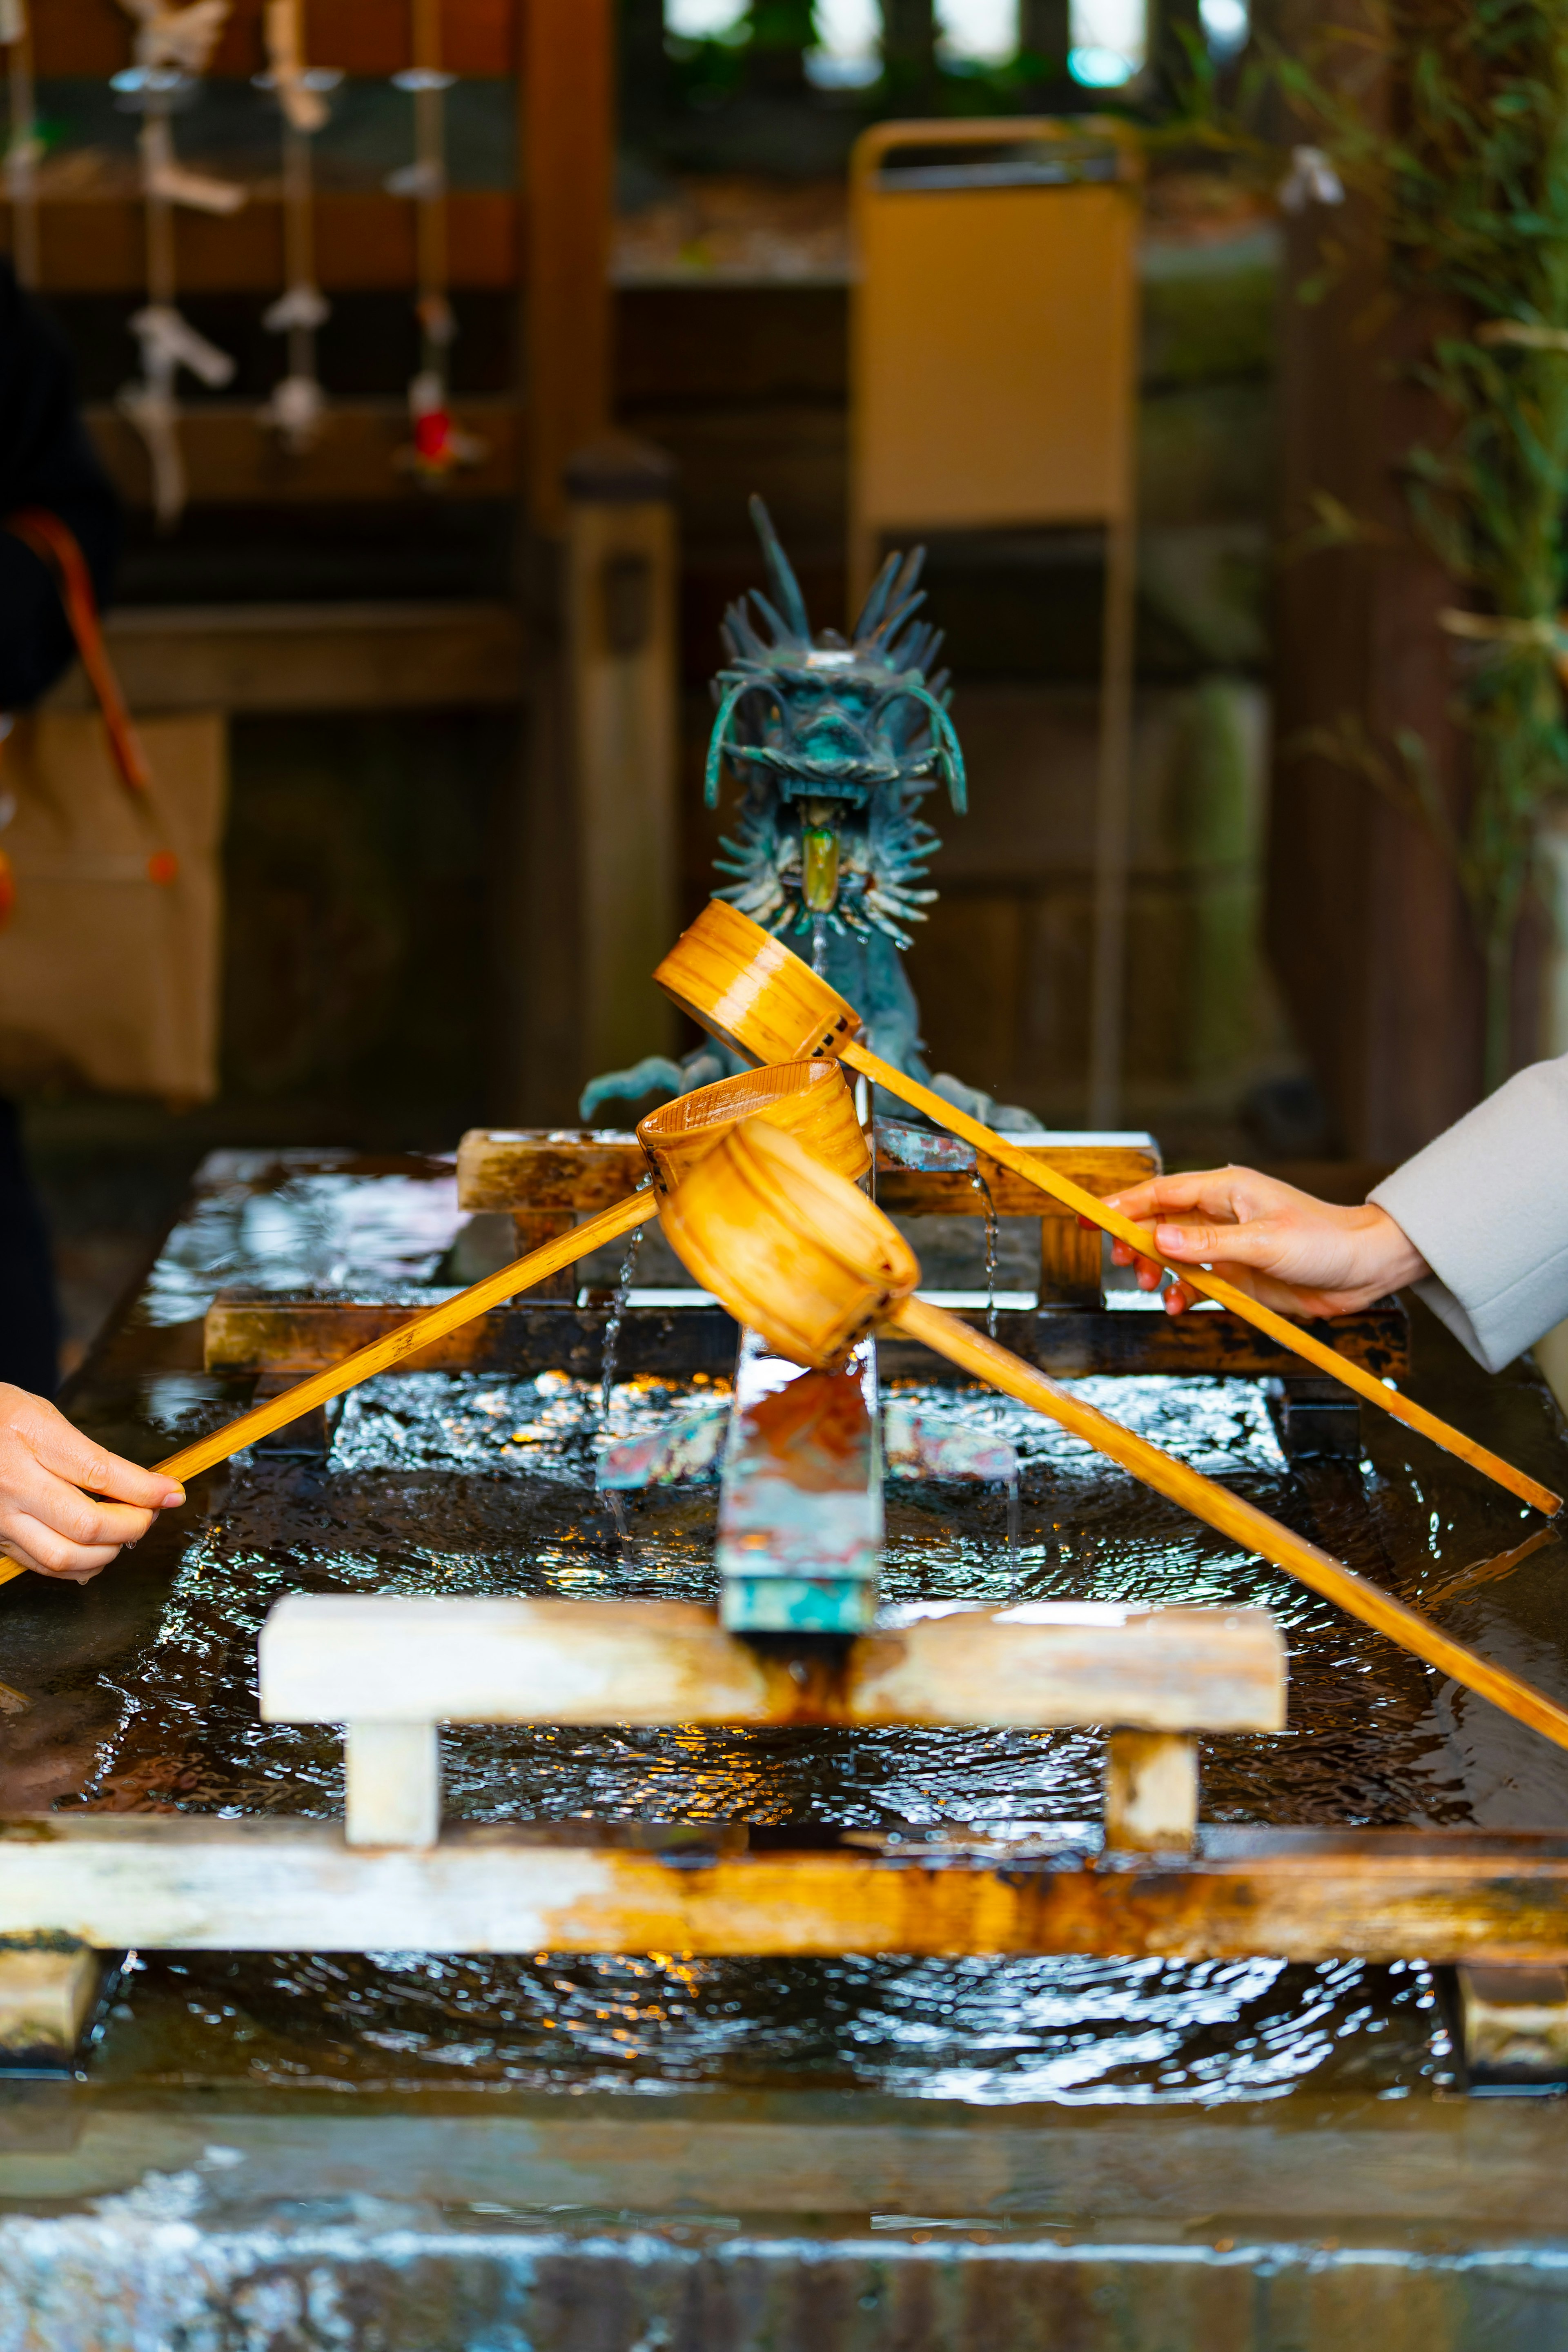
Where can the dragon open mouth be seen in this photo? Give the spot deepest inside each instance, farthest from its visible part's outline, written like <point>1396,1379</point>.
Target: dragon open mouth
<point>836,743</point>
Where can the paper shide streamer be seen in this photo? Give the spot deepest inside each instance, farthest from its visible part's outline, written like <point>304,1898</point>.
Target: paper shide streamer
<point>172,47</point>
<point>297,403</point>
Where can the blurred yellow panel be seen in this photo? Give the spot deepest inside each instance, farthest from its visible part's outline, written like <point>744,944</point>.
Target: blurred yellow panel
<point>995,329</point>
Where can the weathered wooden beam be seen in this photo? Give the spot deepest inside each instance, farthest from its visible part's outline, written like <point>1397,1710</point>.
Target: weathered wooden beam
<point>518,1169</point>
<point>195,1884</point>
<point>540,1168</point>
<point>250,1332</point>
<point>364,241</point>
<point>296,657</point>
<point>257,1331</point>
<point>230,460</point>
<point>357,1658</point>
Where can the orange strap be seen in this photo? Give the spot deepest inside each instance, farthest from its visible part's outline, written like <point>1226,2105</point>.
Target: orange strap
<point>54,544</point>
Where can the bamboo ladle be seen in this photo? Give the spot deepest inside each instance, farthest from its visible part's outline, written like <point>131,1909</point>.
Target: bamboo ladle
<point>747,988</point>
<point>804,1258</point>
<point>811,1099</point>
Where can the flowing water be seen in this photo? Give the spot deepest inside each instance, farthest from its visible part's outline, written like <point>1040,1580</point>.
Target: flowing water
<point>615,1326</point>
<point>465,1483</point>
<point>984,1189</point>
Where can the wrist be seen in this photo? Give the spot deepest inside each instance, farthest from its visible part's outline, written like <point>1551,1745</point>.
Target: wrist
<point>1394,1260</point>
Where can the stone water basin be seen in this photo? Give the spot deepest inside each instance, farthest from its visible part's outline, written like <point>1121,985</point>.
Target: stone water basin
<point>978,2079</point>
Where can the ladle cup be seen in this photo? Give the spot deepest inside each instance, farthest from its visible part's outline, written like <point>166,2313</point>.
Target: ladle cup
<point>809,1098</point>
<point>806,1260</point>
<point>746,987</point>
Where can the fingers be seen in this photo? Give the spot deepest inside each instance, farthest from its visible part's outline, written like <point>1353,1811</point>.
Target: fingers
<point>1214,1190</point>
<point>51,1440</point>
<point>34,1545</point>
<point>67,1505</point>
<point>77,1518</point>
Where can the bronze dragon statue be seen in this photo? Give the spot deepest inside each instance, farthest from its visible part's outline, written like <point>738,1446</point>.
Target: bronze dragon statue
<point>836,741</point>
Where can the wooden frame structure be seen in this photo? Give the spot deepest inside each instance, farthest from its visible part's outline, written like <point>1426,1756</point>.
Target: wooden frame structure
<point>547,1179</point>
<point>1151,1884</point>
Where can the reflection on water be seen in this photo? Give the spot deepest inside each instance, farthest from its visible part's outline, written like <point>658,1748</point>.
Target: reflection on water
<point>303,1220</point>
<point>989,2031</point>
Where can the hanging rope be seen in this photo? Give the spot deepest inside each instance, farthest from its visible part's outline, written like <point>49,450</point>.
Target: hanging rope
<point>439,445</point>
<point>55,545</point>
<point>172,46</point>
<point>298,402</point>
<point>24,149</point>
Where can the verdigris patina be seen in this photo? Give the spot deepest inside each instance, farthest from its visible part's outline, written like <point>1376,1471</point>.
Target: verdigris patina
<point>837,743</point>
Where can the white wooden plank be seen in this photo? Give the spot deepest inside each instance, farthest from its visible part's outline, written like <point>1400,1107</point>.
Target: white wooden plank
<point>270,1886</point>
<point>338,1659</point>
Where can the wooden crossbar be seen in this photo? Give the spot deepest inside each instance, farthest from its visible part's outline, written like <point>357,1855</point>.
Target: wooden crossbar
<point>332,1658</point>
<point>389,1669</point>
<point>529,1170</point>
<point>117,1881</point>
<point>269,1331</point>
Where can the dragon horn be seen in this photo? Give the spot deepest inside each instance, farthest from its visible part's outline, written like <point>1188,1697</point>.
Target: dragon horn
<point>871,610</point>
<point>781,575</point>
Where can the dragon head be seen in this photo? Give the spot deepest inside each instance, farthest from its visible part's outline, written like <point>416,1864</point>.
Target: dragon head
<point>838,741</point>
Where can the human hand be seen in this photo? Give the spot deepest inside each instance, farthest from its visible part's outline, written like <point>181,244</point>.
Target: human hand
<point>1301,1256</point>
<point>67,1505</point>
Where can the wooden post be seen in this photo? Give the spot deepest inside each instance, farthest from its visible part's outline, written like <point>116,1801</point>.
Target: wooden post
<point>1512,2025</point>
<point>1151,1793</point>
<point>46,1998</point>
<point>620,587</point>
<point>391,1784</point>
<point>568,160</point>
<point>1366,924</point>
<point>566,142</point>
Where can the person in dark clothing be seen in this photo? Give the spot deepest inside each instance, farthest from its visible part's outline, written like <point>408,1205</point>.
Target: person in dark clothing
<point>46,461</point>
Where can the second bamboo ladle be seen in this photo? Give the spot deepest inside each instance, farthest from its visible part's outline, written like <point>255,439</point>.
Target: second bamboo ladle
<point>805,1259</point>
<point>812,1100</point>
<point>747,988</point>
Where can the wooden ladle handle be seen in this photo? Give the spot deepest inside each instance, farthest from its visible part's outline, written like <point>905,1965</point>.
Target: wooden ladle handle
<point>1213,1286</point>
<point>1231,1515</point>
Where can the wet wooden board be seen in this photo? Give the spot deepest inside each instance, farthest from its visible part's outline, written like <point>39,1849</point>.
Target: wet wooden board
<point>261,1331</point>
<point>341,1658</point>
<point>538,1168</point>
<point>194,1883</point>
